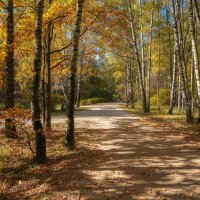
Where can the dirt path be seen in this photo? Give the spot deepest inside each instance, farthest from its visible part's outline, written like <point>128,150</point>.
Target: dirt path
<point>141,160</point>
<point>119,156</point>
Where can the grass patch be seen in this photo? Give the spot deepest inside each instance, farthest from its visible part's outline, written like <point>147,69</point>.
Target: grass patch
<point>177,120</point>
<point>59,112</point>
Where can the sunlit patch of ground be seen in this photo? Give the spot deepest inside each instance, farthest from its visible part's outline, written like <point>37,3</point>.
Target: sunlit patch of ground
<point>118,156</point>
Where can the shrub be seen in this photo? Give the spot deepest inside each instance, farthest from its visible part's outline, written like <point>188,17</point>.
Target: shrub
<point>22,103</point>
<point>56,100</point>
<point>163,97</point>
<point>102,94</point>
<point>2,107</point>
<point>93,101</point>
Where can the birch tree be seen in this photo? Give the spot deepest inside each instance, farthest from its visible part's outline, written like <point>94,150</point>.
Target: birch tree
<point>181,60</point>
<point>37,124</point>
<point>194,52</point>
<point>137,56</point>
<point>70,140</point>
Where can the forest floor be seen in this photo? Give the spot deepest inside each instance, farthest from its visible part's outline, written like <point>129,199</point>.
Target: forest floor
<point>119,156</point>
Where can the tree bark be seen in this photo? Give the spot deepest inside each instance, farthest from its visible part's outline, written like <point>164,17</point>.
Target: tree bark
<point>158,73</point>
<point>192,82</point>
<point>179,91</point>
<point>48,72</point>
<point>170,63</point>
<point>195,5</point>
<point>70,140</point>
<point>194,52</point>
<point>181,60</point>
<point>44,93</point>
<point>134,43</point>
<point>150,62</point>
<point>173,83</point>
<point>78,90</point>
<point>37,125</point>
<point>10,129</point>
<point>142,43</point>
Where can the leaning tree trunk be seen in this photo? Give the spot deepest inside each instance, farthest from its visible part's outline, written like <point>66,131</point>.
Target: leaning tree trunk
<point>194,52</point>
<point>135,47</point>
<point>37,125</point>
<point>10,128</point>
<point>72,78</point>
<point>180,60</point>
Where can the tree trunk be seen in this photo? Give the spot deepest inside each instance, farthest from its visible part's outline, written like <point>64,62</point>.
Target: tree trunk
<point>181,60</point>
<point>72,78</point>
<point>78,92</point>
<point>131,83</point>
<point>10,129</point>
<point>78,95</point>
<point>170,64</point>
<point>150,62</point>
<point>172,87</point>
<point>195,53</point>
<point>192,82</point>
<point>158,73</point>
<point>134,43</point>
<point>37,125</point>
<point>44,94</point>
<point>179,91</point>
<point>48,72</point>
<point>195,5</point>
<point>142,44</point>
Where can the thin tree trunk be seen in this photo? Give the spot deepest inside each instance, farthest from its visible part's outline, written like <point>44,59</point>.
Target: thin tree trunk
<point>192,82</point>
<point>150,62</point>
<point>37,125</point>
<point>172,88</point>
<point>72,78</point>
<point>181,60</point>
<point>43,93</point>
<point>127,83</point>
<point>48,72</point>
<point>133,34</point>
<point>10,129</point>
<point>158,73</point>
<point>137,86</point>
<point>179,91</point>
<point>195,5</point>
<point>142,43</point>
<point>131,83</point>
<point>195,53</point>
<point>170,64</point>
<point>78,93</point>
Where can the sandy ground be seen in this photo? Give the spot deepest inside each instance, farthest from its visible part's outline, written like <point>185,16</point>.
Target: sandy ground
<point>119,156</point>
<point>143,160</point>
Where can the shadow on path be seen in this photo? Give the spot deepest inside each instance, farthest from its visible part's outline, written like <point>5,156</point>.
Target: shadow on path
<point>129,160</point>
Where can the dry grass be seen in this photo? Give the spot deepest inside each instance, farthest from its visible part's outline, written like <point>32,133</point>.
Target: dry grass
<point>22,179</point>
<point>177,120</point>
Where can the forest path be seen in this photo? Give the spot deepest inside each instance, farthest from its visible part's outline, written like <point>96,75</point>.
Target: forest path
<point>140,159</point>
